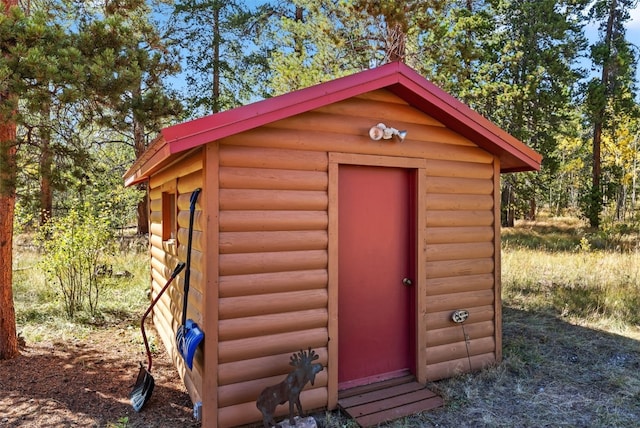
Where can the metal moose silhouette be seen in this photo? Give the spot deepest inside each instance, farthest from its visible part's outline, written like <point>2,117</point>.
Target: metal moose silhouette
<point>290,388</point>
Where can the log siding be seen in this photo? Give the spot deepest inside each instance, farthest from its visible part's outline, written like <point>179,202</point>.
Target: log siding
<point>180,179</point>
<point>461,267</point>
<point>273,272</point>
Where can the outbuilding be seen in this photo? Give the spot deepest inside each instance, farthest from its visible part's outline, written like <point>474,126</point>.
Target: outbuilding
<point>354,217</point>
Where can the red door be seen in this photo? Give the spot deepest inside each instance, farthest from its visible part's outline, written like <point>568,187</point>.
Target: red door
<point>375,307</point>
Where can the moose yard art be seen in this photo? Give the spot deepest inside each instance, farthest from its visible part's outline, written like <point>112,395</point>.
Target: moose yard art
<point>290,388</point>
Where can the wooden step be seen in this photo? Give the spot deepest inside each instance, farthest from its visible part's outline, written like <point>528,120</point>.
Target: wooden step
<point>381,402</point>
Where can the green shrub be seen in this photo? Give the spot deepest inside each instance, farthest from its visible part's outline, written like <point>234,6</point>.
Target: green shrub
<point>75,246</point>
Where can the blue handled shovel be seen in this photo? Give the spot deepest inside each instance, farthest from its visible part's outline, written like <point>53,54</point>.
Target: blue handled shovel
<point>189,335</point>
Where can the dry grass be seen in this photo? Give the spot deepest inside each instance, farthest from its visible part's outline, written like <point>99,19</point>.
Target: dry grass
<point>571,335</point>
<point>600,289</point>
<point>554,374</point>
<point>571,339</point>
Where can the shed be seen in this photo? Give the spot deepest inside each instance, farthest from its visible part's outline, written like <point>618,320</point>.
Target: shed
<point>309,233</point>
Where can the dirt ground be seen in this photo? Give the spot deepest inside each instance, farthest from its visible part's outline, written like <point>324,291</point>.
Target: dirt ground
<point>86,383</point>
<point>553,373</point>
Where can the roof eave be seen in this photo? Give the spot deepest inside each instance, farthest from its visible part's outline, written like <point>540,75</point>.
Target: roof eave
<point>151,160</point>
<point>190,134</point>
<point>396,77</point>
<point>456,115</point>
<point>518,169</point>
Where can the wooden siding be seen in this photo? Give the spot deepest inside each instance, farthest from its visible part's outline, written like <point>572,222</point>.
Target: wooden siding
<point>180,179</point>
<point>461,265</point>
<point>273,273</point>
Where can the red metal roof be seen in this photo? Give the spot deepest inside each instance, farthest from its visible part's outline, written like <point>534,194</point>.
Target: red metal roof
<point>395,77</point>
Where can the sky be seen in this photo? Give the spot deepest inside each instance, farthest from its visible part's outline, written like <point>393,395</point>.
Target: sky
<point>633,28</point>
<point>591,31</point>
<point>633,33</point>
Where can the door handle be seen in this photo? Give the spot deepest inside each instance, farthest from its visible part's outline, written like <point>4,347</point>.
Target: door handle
<point>407,282</point>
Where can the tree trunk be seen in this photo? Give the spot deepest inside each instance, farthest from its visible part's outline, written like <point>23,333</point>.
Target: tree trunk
<point>143,213</point>
<point>596,171</point>
<point>299,42</point>
<point>46,190</point>
<point>140,145</point>
<point>396,44</point>
<point>533,207</point>
<point>46,165</point>
<point>596,191</point>
<point>8,338</point>
<point>508,217</point>
<point>215,90</point>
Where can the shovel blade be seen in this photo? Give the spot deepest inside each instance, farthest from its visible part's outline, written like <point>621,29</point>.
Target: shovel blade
<point>188,338</point>
<point>142,389</point>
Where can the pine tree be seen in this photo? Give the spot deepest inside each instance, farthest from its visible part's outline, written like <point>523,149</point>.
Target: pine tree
<point>393,19</point>
<point>57,77</point>
<point>514,61</point>
<point>314,41</point>
<point>611,94</point>
<point>8,148</point>
<point>140,104</point>
<point>106,70</point>
<point>456,41</point>
<point>215,38</point>
<point>542,40</point>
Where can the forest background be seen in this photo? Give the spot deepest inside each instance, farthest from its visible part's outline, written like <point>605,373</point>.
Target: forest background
<point>86,85</point>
